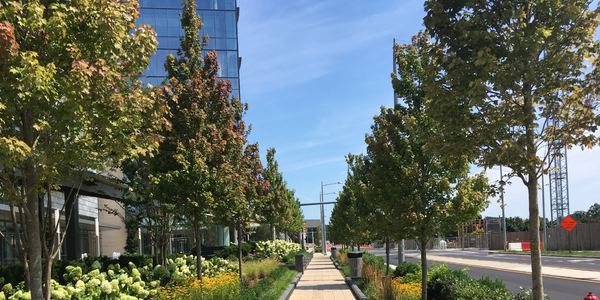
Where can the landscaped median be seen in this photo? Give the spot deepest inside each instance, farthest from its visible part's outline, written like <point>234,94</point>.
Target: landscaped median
<point>404,282</point>
<point>134,277</point>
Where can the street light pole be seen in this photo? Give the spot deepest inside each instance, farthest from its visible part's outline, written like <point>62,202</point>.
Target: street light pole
<point>322,203</point>
<point>503,215</point>
<point>544,210</point>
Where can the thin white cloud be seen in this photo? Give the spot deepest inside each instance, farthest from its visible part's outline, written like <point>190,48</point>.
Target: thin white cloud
<point>303,45</point>
<point>307,164</point>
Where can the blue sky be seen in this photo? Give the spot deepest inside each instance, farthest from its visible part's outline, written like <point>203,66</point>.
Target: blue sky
<point>314,74</point>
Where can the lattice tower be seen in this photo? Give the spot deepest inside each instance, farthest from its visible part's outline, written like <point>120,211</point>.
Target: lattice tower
<point>559,186</point>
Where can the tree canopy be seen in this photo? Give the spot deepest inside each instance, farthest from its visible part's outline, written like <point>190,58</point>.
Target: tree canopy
<point>70,102</point>
<point>277,210</point>
<point>425,193</point>
<point>508,78</point>
<point>352,222</point>
<point>197,163</point>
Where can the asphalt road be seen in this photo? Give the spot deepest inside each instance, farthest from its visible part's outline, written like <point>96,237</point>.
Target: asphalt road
<point>565,262</point>
<point>556,288</point>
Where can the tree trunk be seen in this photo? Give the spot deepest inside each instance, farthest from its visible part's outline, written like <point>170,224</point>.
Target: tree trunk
<point>534,237</point>
<point>32,218</point>
<point>387,256</point>
<point>423,270</point>
<point>47,277</point>
<point>534,213</point>
<point>239,241</point>
<point>198,250</point>
<point>22,250</point>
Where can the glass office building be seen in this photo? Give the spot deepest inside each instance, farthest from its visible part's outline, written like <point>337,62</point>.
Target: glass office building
<point>220,24</point>
<point>219,19</point>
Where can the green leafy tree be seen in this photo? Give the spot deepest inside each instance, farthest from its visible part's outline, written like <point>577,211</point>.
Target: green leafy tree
<point>590,216</point>
<point>70,102</point>
<point>507,78</point>
<point>340,222</point>
<point>143,210</point>
<point>261,233</point>
<point>294,223</point>
<point>132,242</point>
<point>277,210</point>
<point>195,166</point>
<point>516,224</point>
<point>245,197</point>
<point>359,210</point>
<point>594,213</point>
<point>432,193</point>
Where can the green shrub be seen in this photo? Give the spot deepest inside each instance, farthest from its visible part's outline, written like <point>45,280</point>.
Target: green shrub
<point>290,258</point>
<point>373,260</point>
<point>136,259</point>
<point>406,268</point>
<point>247,248</point>
<point>446,284</point>
<point>12,274</point>
<point>7,289</point>
<point>343,251</point>
<point>96,265</point>
<point>161,273</point>
<point>345,270</point>
<point>525,294</point>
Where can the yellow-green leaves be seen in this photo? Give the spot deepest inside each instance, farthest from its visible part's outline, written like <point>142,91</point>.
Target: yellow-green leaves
<point>70,98</point>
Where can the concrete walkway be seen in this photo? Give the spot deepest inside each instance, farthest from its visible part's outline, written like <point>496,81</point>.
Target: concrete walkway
<point>322,281</point>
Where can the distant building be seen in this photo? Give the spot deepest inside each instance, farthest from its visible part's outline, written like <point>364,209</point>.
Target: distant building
<point>220,18</point>
<point>91,230</point>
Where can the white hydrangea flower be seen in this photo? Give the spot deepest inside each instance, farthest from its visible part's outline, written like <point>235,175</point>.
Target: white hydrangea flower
<point>106,287</point>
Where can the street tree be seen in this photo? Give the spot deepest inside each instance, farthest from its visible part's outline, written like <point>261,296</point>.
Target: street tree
<point>70,101</point>
<point>277,210</point>
<point>245,197</point>
<point>141,208</point>
<point>340,222</point>
<point>294,223</point>
<point>362,217</point>
<point>507,79</point>
<point>432,193</point>
<point>194,167</point>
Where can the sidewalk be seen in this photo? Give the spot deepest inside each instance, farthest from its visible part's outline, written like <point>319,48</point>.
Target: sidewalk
<point>581,274</point>
<point>322,281</point>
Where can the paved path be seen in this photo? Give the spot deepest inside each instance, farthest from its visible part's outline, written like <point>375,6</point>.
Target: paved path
<point>322,281</point>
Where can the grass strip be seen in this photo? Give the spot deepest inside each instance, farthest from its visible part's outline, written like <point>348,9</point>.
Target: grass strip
<point>269,288</point>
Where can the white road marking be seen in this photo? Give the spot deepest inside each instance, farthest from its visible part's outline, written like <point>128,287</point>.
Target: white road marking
<point>579,260</point>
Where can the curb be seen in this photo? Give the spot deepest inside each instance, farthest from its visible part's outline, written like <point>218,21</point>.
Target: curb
<point>358,294</point>
<point>288,292</point>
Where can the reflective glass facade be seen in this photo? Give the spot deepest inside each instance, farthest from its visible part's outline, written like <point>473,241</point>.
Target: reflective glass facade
<point>220,24</point>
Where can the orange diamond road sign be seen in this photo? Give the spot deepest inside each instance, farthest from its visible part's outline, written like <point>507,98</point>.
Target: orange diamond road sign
<point>568,223</point>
